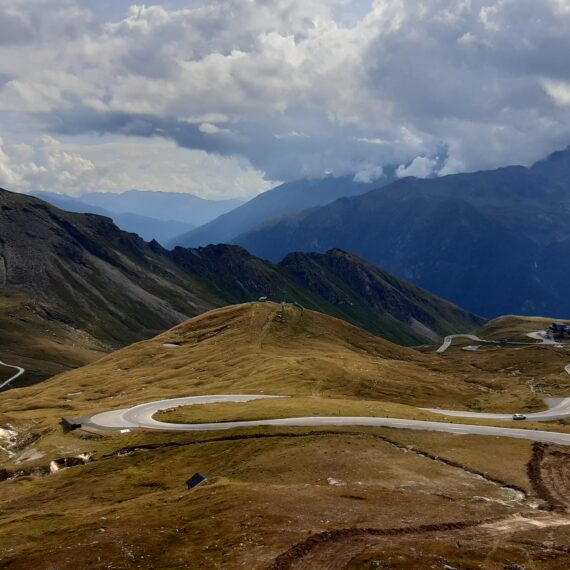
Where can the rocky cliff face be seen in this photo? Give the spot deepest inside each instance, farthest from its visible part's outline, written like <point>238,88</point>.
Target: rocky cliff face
<point>347,281</point>
<point>111,283</point>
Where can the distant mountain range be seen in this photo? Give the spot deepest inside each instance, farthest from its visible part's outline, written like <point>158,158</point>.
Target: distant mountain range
<point>494,242</point>
<point>81,271</point>
<point>286,199</point>
<point>148,228</point>
<point>168,206</point>
<point>152,215</point>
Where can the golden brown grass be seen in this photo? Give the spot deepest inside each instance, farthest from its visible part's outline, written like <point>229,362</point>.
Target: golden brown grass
<point>328,367</point>
<point>246,349</point>
<point>269,487</point>
<point>514,327</point>
<point>503,459</point>
<point>327,407</point>
<point>288,408</point>
<point>264,495</point>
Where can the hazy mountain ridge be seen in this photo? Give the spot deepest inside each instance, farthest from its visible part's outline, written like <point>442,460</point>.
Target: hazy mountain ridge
<point>288,198</point>
<point>147,227</point>
<point>168,206</point>
<point>484,240</point>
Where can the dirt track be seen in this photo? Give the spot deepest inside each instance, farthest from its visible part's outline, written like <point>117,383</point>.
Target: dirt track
<point>423,546</point>
<point>548,471</point>
<point>334,549</point>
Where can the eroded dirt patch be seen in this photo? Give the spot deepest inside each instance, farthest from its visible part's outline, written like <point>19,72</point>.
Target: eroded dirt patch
<point>470,544</point>
<point>549,473</point>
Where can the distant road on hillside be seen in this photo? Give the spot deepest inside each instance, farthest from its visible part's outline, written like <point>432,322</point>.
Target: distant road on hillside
<point>559,407</point>
<point>17,375</point>
<point>540,336</point>
<point>450,338</point>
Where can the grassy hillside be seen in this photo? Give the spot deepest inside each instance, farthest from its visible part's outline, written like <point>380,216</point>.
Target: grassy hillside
<point>249,348</point>
<point>336,283</point>
<point>115,288</point>
<point>306,355</point>
<point>515,327</point>
<point>39,339</point>
<point>276,497</point>
<point>363,294</point>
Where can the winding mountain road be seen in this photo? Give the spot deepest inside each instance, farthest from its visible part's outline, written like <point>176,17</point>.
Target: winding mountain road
<point>542,337</point>
<point>539,336</point>
<point>559,408</point>
<point>17,375</point>
<point>141,416</point>
<point>450,338</point>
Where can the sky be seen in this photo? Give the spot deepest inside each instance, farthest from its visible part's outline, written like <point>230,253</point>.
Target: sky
<point>228,98</point>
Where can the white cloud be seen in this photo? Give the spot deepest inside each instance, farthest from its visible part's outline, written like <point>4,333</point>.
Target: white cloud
<point>206,118</point>
<point>43,166</point>
<point>387,82</point>
<point>120,163</point>
<point>488,15</point>
<point>371,141</point>
<point>420,167</point>
<point>368,173</point>
<point>559,91</point>
<point>9,178</point>
<point>211,129</point>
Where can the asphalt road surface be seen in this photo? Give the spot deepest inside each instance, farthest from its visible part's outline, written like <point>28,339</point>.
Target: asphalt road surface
<point>141,416</point>
<point>17,375</point>
<point>450,338</point>
<point>539,336</point>
<point>559,408</point>
<point>542,337</point>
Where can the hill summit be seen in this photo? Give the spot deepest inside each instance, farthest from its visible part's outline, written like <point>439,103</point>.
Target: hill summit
<point>90,278</point>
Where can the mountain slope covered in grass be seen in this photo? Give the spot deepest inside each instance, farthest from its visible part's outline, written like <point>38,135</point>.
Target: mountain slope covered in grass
<point>82,271</point>
<point>89,500</point>
<point>335,283</point>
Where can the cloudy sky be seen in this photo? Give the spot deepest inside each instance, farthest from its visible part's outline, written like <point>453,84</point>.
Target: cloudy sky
<point>225,98</point>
